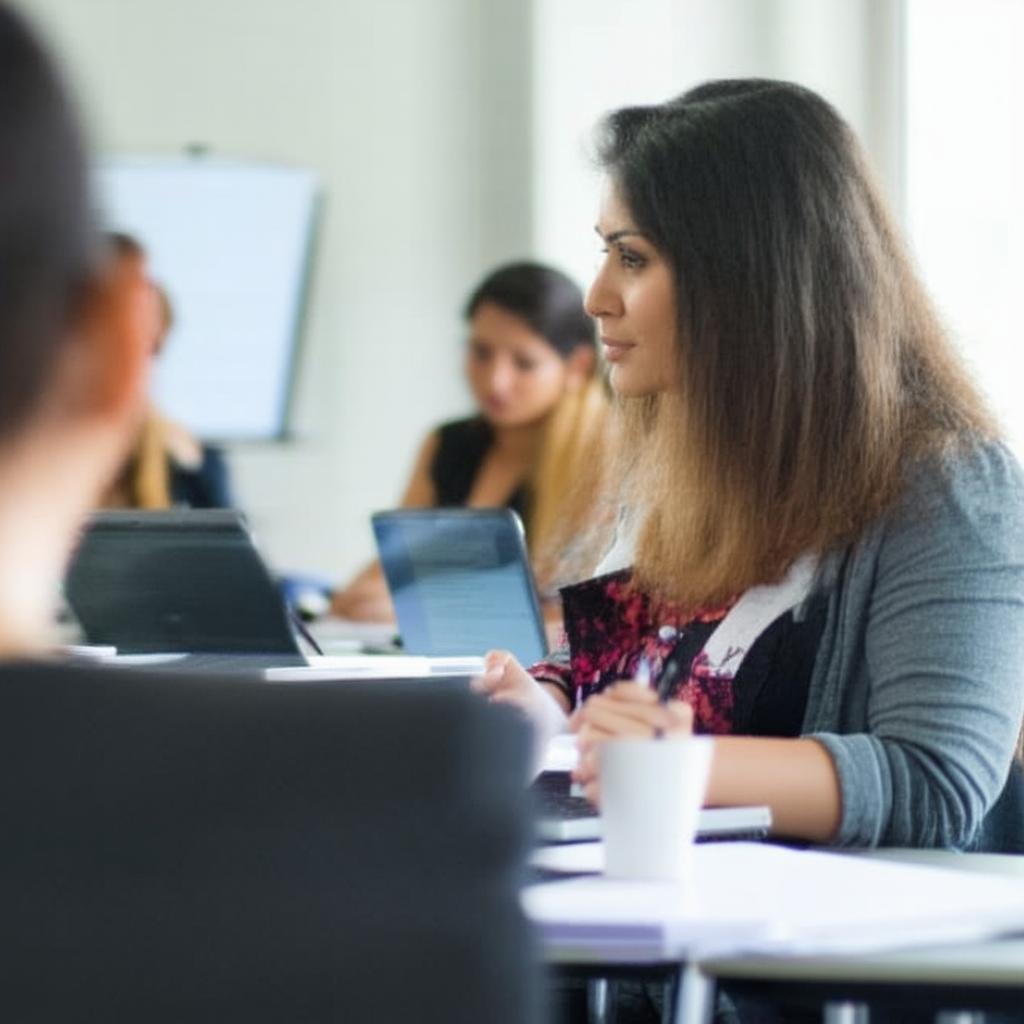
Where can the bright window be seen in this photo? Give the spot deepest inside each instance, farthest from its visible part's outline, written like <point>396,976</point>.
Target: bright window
<point>965,182</point>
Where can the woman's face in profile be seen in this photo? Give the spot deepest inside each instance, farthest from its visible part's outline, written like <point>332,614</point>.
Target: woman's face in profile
<point>516,377</point>
<point>632,298</point>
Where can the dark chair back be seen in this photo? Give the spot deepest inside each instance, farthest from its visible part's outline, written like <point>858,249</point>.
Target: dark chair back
<point>194,849</point>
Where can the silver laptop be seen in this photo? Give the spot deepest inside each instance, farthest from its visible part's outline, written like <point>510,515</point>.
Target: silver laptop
<point>460,582</point>
<point>563,817</point>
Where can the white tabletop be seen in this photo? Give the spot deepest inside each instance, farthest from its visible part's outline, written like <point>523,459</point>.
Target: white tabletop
<point>993,963</point>
<point>756,900</point>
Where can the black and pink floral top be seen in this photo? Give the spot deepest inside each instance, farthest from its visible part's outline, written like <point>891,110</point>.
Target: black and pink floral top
<point>610,625</point>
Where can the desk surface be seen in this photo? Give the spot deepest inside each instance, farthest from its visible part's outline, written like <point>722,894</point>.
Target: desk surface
<point>992,964</point>
<point>984,863</point>
<point>986,974</point>
<point>751,903</point>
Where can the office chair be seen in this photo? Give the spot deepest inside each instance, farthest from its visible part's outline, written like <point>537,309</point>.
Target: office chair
<point>233,850</point>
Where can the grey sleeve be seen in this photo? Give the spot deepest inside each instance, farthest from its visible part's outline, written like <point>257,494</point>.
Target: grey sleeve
<point>943,661</point>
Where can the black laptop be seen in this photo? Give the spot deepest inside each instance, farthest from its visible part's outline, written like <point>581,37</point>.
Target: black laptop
<point>181,581</point>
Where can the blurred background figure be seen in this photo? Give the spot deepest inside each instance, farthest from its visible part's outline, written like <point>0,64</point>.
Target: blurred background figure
<point>167,466</point>
<point>534,444</point>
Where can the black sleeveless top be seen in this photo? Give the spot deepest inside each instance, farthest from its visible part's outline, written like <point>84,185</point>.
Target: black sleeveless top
<point>204,486</point>
<point>462,447</point>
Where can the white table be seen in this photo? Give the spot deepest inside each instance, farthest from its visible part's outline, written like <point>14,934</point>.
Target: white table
<point>977,975</point>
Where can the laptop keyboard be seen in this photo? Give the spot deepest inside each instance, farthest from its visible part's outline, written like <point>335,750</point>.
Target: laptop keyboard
<point>563,817</point>
<point>552,798</point>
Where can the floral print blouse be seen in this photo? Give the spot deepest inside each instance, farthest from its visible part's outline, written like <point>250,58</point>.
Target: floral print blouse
<point>610,625</point>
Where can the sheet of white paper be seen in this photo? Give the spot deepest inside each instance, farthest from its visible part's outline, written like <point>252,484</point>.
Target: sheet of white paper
<point>758,898</point>
<point>374,666</point>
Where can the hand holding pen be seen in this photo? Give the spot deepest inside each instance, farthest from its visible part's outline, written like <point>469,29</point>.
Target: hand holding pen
<point>637,709</point>
<point>668,679</point>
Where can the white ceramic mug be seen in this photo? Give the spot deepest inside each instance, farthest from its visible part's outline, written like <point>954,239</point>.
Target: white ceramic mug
<point>652,791</point>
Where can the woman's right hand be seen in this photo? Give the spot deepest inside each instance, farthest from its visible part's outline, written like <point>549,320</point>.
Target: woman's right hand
<point>505,681</point>
<point>627,709</point>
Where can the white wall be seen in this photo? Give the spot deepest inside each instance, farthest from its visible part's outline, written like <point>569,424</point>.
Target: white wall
<point>965,166</point>
<point>391,103</point>
<point>589,56</point>
<point>594,55</point>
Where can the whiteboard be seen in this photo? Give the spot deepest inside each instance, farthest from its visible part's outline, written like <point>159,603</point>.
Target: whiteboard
<point>230,241</point>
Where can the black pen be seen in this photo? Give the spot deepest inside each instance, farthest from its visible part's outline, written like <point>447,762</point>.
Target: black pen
<point>669,677</point>
<point>671,672</point>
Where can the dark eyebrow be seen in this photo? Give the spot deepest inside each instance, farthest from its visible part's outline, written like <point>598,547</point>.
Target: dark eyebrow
<point>617,236</point>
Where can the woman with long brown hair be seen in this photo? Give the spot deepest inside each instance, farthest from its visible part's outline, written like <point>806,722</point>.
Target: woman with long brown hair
<point>819,519</point>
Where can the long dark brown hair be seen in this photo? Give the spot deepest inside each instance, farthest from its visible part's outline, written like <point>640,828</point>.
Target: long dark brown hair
<point>812,367</point>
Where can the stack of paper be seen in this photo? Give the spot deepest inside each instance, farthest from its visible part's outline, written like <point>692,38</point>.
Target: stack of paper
<point>758,898</point>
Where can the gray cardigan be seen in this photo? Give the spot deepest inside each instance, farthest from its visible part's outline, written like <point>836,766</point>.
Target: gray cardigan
<point>917,690</point>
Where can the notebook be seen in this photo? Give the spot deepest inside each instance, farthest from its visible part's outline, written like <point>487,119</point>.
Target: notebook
<point>179,581</point>
<point>460,582</point>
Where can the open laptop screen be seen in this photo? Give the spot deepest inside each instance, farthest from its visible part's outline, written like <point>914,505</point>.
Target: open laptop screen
<point>176,581</point>
<point>460,582</point>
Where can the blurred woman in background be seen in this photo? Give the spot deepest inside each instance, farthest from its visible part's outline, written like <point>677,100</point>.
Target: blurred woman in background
<point>167,465</point>
<point>534,445</point>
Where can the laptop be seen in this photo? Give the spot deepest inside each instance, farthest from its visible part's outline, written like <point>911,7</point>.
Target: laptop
<point>460,582</point>
<point>564,817</point>
<point>182,581</point>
